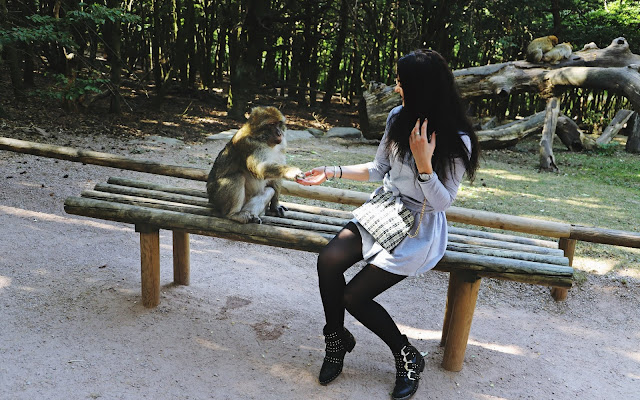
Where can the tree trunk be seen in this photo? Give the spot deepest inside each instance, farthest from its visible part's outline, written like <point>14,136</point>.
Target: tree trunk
<point>334,69</point>
<point>185,49</point>
<point>156,50</point>
<point>205,44</point>
<point>633,141</point>
<point>113,38</point>
<point>11,55</point>
<point>223,38</point>
<point>547,160</point>
<point>510,134</point>
<point>250,40</point>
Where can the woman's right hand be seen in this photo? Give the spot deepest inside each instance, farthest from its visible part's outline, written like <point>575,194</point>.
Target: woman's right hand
<point>421,147</point>
<point>314,177</point>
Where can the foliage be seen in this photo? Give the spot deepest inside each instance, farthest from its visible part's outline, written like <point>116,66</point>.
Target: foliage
<point>291,46</point>
<point>48,29</point>
<point>71,89</point>
<point>603,24</point>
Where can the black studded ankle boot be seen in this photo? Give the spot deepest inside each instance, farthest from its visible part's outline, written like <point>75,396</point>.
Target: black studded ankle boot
<point>409,364</point>
<point>338,343</point>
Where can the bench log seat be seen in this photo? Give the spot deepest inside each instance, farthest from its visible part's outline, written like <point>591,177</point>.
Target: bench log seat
<point>470,255</point>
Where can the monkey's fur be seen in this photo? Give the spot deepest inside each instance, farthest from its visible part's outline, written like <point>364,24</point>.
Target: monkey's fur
<point>558,53</point>
<point>247,174</point>
<point>539,46</point>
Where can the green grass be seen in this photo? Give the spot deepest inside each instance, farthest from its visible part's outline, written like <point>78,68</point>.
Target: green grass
<point>600,188</point>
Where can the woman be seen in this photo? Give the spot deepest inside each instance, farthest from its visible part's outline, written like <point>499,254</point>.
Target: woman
<point>425,177</point>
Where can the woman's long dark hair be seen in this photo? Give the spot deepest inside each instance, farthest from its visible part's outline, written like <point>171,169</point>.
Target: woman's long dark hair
<point>430,92</point>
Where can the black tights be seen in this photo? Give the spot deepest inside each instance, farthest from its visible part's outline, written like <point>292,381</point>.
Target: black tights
<point>357,296</point>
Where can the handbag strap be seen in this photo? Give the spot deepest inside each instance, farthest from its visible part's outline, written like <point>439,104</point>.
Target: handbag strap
<point>424,203</point>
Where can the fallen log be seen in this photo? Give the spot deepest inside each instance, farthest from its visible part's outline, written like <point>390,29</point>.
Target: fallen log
<point>510,134</point>
<point>616,125</point>
<point>614,68</point>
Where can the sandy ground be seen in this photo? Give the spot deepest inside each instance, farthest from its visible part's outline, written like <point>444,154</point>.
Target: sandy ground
<point>249,325</point>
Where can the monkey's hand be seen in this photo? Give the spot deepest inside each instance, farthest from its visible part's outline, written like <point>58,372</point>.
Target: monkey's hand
<point>314,177</point>
<point>292,173</point>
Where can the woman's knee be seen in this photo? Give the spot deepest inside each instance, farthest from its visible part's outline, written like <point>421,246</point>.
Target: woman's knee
<point>329,262</point>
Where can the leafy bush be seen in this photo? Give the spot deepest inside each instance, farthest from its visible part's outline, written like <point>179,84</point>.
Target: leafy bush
<point>71,89</point>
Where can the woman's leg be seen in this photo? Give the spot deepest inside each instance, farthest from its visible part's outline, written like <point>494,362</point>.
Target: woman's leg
<point>344,250</point>
<point>359,295</point>
<point>358,300</point>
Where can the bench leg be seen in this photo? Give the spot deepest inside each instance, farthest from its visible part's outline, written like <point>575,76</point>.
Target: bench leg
<point>150,265</point>
<point>181,262</point>
<point>461,303</point>
<point>449,306</point>
<point>569,248</point>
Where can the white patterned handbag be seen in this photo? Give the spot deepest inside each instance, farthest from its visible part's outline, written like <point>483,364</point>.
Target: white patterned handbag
<point>384,221</point>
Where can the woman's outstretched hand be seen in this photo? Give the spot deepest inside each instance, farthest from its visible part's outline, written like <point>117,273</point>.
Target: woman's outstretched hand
<point>314,177</point>
<point>421,147</point>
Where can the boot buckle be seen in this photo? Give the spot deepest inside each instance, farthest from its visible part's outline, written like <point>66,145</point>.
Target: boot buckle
<point>411,375</point>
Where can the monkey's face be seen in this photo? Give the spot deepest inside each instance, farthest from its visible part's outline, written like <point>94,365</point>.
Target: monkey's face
<point>267,125</point>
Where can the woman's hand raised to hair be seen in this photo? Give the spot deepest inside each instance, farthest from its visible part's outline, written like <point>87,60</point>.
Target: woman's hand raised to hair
<point>421,147</point>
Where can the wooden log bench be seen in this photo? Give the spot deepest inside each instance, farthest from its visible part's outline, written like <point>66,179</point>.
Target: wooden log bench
<point>471,254</point>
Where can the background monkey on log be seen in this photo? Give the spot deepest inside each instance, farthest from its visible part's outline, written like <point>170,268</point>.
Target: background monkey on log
<point>558,53</point>
<point>539,46</point>
<point>246,176</point>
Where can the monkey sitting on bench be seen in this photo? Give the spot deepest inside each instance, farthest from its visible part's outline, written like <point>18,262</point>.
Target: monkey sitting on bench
<point>247,174</point>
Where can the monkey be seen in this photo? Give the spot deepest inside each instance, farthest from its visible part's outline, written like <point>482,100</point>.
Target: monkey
<point>558,53</point>
<point>539,46</point>
<point>247,174</point>
<point>590,46</point>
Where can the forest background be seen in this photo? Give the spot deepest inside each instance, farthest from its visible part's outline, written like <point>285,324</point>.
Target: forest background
<point>304,51</point>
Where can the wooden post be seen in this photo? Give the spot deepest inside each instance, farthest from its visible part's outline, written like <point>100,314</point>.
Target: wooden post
<point>149,264</point>
<point>465,293</point>
<point>181,261</point>
<point>569,248</point>
<point>449,306</point>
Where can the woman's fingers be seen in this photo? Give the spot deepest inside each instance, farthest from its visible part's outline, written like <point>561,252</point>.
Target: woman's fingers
<point>416,128</point>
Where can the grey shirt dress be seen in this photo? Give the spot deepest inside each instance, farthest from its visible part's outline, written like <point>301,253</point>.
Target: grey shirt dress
<point>413,256</point>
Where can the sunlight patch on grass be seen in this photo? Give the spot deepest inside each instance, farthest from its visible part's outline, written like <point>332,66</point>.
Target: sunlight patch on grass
<point>598,266</point>
<point>509,175</point>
